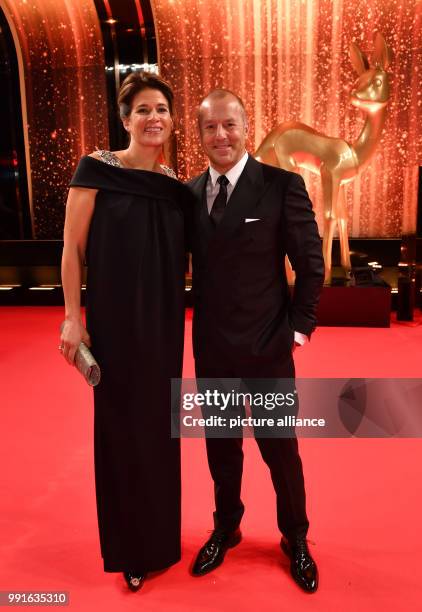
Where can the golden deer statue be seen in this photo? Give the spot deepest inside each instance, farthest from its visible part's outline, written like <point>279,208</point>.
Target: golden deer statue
<point>293,145</point>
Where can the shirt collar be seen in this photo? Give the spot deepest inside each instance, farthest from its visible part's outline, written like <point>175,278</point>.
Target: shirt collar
<point>233,174</point>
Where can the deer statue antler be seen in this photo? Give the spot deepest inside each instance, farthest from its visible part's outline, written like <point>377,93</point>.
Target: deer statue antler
<point>293,145</point>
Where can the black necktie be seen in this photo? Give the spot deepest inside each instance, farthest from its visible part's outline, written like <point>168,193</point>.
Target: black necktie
<point>219,204</point>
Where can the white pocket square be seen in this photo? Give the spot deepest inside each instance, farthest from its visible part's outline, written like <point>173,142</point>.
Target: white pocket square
<point>250,220</point>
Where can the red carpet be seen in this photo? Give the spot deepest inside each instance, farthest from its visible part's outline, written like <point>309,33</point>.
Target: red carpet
<point>364,496</point>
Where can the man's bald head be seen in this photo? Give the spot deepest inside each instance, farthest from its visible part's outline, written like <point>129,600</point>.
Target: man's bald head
<point>220,94</point>
<point>223,129</point>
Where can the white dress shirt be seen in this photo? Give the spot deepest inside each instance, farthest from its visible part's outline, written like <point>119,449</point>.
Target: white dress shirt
<point>232,175</point>
<point>213,188</point>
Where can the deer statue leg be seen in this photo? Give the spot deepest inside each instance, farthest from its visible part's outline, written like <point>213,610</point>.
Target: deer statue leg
<point>330,189</point>
<point>290,275</point>
<point>342,231</point>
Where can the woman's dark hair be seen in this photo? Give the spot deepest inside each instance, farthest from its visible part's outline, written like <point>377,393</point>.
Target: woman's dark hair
<point>138,81</point>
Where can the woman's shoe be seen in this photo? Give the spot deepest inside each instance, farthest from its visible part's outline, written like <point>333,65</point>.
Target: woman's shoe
<point>134,581</point>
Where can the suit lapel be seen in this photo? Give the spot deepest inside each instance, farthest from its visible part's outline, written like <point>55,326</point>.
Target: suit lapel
<point>242,204</point>
<point>244,200</point>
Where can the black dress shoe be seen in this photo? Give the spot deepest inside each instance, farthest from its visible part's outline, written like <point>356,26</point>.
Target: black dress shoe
<point>134,580</point>
<point>302,567</point>
<point>212,553</point>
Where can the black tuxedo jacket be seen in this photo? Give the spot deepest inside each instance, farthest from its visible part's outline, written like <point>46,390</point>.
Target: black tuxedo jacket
<point>242,304</point>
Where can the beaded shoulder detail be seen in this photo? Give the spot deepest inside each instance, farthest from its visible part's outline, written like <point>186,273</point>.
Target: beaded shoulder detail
<point>110,158</point>
<point>168,171</point>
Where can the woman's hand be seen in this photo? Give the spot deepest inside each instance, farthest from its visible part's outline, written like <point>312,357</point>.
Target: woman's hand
<point>73,333</point>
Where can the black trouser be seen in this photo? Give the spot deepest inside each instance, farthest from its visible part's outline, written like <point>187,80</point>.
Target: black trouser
<point>225,455</point>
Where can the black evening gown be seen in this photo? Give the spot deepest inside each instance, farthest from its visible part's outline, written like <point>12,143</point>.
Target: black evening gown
<point>135,317</point>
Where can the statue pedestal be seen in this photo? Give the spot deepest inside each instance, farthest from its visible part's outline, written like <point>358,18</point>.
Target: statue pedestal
<point>357,306</point>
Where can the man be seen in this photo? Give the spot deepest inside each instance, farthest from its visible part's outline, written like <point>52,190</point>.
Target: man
<point>248,217</point>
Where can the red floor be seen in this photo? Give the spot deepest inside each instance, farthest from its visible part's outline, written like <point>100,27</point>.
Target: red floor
<point>364,496</point>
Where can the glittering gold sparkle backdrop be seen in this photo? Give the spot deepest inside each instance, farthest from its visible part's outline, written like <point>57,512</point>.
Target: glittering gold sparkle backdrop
<point>60,49</point>
<point>288,60</point>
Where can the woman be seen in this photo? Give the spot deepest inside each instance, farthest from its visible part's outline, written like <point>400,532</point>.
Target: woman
<point>128,215</point>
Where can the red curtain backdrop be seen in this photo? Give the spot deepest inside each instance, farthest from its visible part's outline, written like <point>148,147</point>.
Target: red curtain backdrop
<point>288,60</point>
<point>61,48</point>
